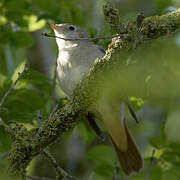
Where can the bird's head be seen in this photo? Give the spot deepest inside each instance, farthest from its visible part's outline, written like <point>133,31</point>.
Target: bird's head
<point>68,31</point>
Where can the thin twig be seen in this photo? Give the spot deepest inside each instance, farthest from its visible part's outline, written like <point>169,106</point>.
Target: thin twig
<point>150,165</point>
<point>53,110</point>
<point>75,39</point>
<point>115,174</point>
<point>13,85</point>
<point>3,155</point>
<point>60,173</point>
<point>56,106</point>
<point>133,114</point>
<point>40,117</point>
<point>39,178</point>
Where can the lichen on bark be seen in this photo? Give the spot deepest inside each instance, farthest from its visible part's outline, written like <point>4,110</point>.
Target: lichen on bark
<point>131,35</point>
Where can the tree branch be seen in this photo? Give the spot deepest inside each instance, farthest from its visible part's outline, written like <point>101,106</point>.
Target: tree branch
<point>84,95</point>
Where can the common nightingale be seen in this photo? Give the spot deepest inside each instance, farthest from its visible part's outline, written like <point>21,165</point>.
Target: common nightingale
<point>75,58</point>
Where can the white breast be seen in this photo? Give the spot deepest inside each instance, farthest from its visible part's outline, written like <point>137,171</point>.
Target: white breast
<point>72,64</point>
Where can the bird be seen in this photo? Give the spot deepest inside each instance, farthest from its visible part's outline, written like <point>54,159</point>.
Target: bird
<point>77,54</point>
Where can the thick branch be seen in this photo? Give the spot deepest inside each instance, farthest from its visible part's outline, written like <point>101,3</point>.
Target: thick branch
<point>143,28</point>
<point>157,26</point>
<point>85,94</point>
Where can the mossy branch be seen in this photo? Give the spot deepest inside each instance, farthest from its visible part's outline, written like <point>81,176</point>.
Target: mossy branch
<point>131,35</point>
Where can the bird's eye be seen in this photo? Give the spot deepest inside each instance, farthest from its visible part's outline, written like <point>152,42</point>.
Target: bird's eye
<point>72,28</point>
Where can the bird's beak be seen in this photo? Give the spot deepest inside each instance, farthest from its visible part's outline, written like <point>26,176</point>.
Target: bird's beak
<point>53,26</point>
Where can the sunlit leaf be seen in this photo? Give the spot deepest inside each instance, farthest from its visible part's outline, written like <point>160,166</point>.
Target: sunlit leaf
<point>33,22</point>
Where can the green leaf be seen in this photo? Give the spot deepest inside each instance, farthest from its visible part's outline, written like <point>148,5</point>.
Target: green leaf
<point>21,106</point>
<point>50,6</point>
<point>22,39</point>
<point>37,79</point>
<point>171,157</point>
<point>4,85</point>
<point>33,23</point>
<point>15,4</point>
<point>102,154</point>
<point>161,4</point>
<point>172,127</point>
<point>158,142</point>
<point>172,173</point>
<point>5,142</point>
<point>3,66</point>
<point>105,170</point>
<point>155,173</point>
<point>172,154</point>
<point>95,176</point>
<point>47,16</point>
<point>85,131</point>
<point>136,102</point>
<point>2,81</point>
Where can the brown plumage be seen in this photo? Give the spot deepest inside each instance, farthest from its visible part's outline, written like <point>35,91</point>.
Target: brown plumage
<point>126,149</point>
<point>130,160</point>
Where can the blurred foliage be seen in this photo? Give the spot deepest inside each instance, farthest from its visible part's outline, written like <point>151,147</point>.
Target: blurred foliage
<point>150,76</point>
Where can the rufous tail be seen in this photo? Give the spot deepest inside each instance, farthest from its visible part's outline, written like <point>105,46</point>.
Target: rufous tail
<point>130,160</point>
